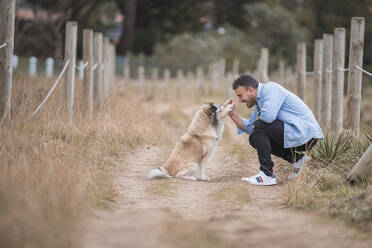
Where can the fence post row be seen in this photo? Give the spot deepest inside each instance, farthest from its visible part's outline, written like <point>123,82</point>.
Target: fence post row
<point>70,55</point>
<point>355,76</point>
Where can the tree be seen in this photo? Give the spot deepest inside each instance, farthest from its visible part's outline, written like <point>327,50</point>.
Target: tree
<point>158,20</point>
<point>128,8</point>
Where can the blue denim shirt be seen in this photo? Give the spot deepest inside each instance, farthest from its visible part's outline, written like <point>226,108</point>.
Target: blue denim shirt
<point>275,102</point>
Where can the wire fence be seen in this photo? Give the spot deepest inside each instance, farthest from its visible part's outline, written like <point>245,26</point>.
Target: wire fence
<point>51,89</point>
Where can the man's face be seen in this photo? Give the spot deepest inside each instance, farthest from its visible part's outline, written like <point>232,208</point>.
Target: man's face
<point>247,95</point>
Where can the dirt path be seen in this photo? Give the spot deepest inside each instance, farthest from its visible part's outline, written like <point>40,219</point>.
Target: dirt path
<point>221,213</point>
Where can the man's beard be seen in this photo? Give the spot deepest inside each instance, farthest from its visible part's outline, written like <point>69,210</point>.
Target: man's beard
<point>250,105</point>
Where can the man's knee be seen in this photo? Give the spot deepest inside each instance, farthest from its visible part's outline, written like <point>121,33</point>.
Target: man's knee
<point>258,126</point>
<point>251,140</point>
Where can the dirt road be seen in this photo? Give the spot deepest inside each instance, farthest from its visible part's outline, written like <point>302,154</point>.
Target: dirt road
<point>223,212</point>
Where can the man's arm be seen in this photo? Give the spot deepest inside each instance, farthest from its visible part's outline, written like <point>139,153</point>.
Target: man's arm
<point>237,120</point>
<point>243,125</point>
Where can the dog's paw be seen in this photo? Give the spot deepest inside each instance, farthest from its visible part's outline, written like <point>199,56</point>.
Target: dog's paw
<point>186,138</point>
<point>205,179</point>
<point>189,178</point>
<point>230,108</point>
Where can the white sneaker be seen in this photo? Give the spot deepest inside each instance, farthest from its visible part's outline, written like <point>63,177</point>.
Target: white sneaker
<point>299,165</point>
<point>260,179</point>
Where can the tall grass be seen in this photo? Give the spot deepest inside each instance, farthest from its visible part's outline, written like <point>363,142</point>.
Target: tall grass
<point>323,186</point>
<point>52,173</point>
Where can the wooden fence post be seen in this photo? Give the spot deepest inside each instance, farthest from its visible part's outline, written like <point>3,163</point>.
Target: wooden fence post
<point>190,84</point>
<point>229,81</point>
<point>141,81</point>
<point>7,14</point>
<point>106,66</point>
<point>318,66</point>
<point>235,69</point>
<point>113,64</point>
<point>97,53</point>
<point>282,71</point>
<point>32,68</point>
<point>222,70</point>
<point>213,78</point>
<point>200,82</point>
<point>355,76</point>
<point>88,82</point>
<point>166,83</point>
<point>326,81</point>
<point>180,80</point>
<point>363,168</point>
<point>301,70</point>
<point>338,79</point>
<point>70,55</point>
<point>154,79</point>
<point>263,66</point>
<point>126,74</point>
<point>49,67</point>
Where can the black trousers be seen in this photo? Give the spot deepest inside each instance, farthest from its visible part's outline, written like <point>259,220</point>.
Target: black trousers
<point>268,138</point>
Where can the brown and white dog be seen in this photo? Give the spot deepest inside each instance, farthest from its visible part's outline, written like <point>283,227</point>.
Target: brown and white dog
<point>194,149</point>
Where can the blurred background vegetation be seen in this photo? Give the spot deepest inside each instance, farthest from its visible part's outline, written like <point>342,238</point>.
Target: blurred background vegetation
<point>183,34</point>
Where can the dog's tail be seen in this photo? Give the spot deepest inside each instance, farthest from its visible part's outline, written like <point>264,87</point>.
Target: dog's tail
<point>157,173</point>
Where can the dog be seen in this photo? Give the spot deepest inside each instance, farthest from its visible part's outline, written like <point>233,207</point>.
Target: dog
<point>194,149</point>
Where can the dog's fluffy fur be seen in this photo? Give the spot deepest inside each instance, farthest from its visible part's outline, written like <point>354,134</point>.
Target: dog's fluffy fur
<point>196,146</point>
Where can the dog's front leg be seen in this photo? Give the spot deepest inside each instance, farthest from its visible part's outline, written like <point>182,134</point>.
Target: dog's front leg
<point>203,177</point>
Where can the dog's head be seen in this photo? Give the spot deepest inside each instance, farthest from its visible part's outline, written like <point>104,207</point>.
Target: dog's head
<point>212,111</point>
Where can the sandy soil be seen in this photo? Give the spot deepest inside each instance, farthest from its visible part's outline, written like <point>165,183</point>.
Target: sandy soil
<point>223,212</point>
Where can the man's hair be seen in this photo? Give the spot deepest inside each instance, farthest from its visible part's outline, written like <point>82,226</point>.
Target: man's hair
<point>245,81</point>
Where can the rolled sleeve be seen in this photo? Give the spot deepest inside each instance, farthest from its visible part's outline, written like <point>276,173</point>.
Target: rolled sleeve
<point>246,125</point>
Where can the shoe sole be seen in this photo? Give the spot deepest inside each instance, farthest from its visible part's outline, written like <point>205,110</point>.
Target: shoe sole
<point>259,184</point>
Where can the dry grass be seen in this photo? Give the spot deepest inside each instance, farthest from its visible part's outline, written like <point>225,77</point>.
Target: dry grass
<point>52,172</point>
<point>323,186</point>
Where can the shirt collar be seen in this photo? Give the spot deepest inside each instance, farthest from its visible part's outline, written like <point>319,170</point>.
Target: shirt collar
<point>259,90</point>
<point>258,98</point>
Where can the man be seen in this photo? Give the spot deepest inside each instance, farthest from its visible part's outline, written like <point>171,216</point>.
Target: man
<point>281,124</point>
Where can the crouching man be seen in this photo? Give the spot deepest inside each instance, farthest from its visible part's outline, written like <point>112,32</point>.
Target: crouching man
<point>281,124</point>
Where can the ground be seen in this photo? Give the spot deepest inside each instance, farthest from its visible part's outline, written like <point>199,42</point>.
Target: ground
<point>223,212</point>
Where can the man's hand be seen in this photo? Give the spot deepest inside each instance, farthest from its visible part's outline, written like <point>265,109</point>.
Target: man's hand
<point>230,102</point>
